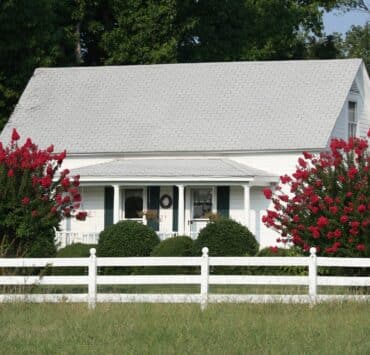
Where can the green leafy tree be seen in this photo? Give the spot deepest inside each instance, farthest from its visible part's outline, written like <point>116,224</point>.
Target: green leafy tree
<point>29,38</point>
<point>144,32</point>
<point>326,47</point>
<point>252,30</point>
<point>357,43</point>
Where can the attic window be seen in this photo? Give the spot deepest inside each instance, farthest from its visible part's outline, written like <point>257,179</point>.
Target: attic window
<point>354,88</point>
<point>352,118</point>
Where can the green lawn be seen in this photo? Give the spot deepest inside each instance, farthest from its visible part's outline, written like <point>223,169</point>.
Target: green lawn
<point>213,289</point>
<point>183,329</point>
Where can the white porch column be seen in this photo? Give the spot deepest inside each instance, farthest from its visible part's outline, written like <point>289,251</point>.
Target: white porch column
<point>214,199</point>
<point>181,217</point>
<point>116,204</point>
<point>246,188</point>
<point>145,204</point>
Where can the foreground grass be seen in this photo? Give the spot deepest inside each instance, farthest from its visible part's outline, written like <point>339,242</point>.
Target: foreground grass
<point>183,329</point>
<point>213,289</point>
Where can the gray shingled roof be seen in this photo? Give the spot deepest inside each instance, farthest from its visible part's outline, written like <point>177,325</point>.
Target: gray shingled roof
<point>151,168</point>
<point>235,106</point>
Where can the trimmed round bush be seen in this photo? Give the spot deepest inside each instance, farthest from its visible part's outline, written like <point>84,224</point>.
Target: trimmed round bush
<point>226,237</point>
<point>175,246</point>
<point>77,250</point>
<point>127,238</point>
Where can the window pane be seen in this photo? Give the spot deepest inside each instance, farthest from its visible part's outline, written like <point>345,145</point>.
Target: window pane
<point>202,202</point>
<point>352,111</point>
<point>133,203</point>
<point>352,130</point>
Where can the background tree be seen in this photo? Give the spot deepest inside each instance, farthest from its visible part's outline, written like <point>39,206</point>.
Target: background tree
<point>325,47</point>
<point>27,40</point>
<point>142,32</point>
<point>357,44</point>
<point>97,32</point>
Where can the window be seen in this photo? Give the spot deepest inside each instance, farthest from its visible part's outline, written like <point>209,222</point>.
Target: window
<point>133,203</point>
<point>202,202</point>
<point>352,118</point>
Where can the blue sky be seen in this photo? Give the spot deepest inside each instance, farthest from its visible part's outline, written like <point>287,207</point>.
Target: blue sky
<point>337,21</point>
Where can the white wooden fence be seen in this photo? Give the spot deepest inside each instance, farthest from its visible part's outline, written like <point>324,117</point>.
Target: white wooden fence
<point>204,279</point>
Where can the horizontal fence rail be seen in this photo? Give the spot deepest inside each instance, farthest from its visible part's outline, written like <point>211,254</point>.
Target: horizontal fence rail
<point>204,279</point>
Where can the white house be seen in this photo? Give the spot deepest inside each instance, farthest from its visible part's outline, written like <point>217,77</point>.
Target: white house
<point>188,139</point>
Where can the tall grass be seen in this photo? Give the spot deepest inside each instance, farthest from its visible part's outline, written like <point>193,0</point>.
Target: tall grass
<point>335,328</point>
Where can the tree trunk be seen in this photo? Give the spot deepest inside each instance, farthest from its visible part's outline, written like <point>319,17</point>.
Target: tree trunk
<point>78,53</point>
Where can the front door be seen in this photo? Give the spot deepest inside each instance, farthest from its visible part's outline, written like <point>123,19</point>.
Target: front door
<point>133,204</point>
<point>201,207</point>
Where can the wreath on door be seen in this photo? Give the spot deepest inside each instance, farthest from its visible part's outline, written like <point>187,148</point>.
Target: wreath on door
<point>165,201</point>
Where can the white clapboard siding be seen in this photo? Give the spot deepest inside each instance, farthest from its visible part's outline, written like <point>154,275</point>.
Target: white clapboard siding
<point>204,279</point>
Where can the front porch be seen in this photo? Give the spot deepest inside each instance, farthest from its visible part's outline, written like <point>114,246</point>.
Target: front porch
<point>170,205</point>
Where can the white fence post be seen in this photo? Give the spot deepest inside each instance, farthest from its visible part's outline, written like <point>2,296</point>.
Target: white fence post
<point>92,279</point>
<point>204,272</point>
<point>312,273</point>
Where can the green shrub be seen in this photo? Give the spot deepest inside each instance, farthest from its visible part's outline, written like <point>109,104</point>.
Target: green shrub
<point>175,246</point>
<point>226,237</point>
<point>77,250</point>
<point>279,270</point>
<point>125,239</point>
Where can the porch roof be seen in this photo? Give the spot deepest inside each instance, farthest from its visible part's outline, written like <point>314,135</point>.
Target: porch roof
<point>176,169</point>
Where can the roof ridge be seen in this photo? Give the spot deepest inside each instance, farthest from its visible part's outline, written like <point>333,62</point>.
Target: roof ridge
<point>245,62</point>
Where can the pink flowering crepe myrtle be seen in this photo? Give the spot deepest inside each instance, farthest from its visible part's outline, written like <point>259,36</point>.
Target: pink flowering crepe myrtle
<point>327,204</point>
<point>48,195</point>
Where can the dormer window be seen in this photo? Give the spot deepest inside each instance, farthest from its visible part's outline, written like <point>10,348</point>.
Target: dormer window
<point>352,118</point>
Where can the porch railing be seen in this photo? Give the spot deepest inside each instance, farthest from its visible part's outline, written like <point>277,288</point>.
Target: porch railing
<point>64,238</point>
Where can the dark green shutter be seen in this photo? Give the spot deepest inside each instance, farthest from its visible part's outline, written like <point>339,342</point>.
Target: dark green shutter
<point>153,204</point>
<point>108,206</point>
<point>223,200</point>
<point>175,209</point>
